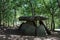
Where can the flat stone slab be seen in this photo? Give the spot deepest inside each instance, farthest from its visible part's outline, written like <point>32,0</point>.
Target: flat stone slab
<point>24,18</point>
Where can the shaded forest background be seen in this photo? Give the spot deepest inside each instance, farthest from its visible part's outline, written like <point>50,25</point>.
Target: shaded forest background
<point>11,10</point>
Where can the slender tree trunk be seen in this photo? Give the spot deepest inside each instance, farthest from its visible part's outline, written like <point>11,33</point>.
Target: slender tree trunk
<point>3,10</point>
<point>32,8</point>
<point>58,3</point>
<point>0,19</point>
<point>52,16</point>
<point>14,21</point>
<point>8,23</point>
<point>15,16</point>
<point>52,23</point>
<point>52,19</point>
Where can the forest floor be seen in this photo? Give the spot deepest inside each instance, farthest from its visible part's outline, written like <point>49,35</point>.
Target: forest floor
<point>4,35</point>
<point>18,37</point>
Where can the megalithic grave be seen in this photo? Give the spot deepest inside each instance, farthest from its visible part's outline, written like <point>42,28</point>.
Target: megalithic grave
<point>30,27</point>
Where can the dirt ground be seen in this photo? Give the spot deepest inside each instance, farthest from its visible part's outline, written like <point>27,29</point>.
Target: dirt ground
<point>6,36</point>
<point>54,36</point>
<point>18,37</point>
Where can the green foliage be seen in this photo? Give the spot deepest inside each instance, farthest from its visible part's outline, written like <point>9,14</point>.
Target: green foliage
<point>11,8</point>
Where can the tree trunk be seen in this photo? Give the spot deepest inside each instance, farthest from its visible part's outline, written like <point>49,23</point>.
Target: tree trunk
<point>52,23</point>
<point>52,19</point>
<point>3,10</point>
<point>8,23</point>
<point>58,3</point>
<point>14,21</point>
<point>32,8</point>
<point>0,19</point>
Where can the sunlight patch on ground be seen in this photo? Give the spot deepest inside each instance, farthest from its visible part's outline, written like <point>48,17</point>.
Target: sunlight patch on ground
<point>57,29</point>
